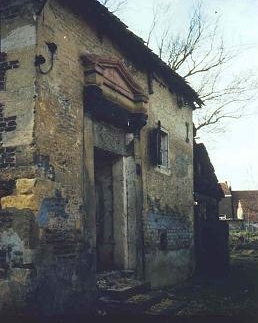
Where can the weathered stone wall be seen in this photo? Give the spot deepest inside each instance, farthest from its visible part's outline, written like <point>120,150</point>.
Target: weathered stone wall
<point>17,87</point>
<point>174,188</point>
<point>68,142</point>
<point>47,145</point>
<point>40,189</point>
<point>59,157</point>
<point>18,230</point>
<point>168,200</point>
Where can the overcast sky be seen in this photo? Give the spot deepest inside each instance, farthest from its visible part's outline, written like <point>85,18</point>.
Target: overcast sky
<point>234,154</point>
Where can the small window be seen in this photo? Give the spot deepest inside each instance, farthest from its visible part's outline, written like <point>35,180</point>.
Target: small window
<point>159,147</point>
<point>163,160</point>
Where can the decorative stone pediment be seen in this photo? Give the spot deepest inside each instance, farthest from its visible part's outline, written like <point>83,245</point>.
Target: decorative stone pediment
<point>115,81</point>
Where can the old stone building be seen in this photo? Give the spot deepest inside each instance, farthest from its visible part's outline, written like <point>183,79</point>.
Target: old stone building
<point>245,205</point>
<point>96,165</point>
<point>240,208</point>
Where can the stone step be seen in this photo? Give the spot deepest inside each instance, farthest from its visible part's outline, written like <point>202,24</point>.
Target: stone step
<point>166,307</point>
<point>132,305</point>
<point>124,288</point>
<point>116,274</point>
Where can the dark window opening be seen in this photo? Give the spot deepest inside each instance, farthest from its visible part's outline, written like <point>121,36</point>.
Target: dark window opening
<point>3,264</point>
<point>163,240</point>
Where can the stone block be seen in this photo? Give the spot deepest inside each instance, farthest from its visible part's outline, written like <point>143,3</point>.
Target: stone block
<point>25,185</point>
<point>20,202</point>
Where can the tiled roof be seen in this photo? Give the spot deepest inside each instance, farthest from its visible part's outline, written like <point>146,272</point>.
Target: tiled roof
<point>249,203</point>
<point>133,46</point>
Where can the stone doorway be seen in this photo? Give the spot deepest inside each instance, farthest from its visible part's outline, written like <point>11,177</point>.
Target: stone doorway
<point>103,163</point>
<point>115,211</point>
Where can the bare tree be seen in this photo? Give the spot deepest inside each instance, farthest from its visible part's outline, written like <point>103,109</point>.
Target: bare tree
<point>113,5</point>
<point>224,101</point>
<point>201,57</point>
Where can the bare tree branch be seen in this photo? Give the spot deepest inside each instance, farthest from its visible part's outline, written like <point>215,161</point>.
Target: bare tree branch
<point>153,25</point>
<point>113,5</point>
<point>202,58</point>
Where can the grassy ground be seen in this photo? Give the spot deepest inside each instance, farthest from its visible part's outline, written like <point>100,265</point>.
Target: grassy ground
<point>236,297</point>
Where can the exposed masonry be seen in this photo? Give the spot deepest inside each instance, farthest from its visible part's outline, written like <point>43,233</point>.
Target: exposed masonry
<point>173,229</point>
<point>7,154</point>
<point>167,228</point>
<point>7,124</point>
<point>15,244</point>
<point>4,66</point>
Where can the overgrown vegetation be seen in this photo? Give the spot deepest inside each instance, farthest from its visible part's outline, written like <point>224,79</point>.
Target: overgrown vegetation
<point>240,239</point>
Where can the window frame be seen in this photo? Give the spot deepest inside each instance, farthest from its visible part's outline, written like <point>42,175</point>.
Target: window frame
<point>164,168</point>
<point>164,134</point>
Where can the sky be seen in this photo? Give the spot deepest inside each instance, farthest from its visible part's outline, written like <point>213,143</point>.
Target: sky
<point>233,153</point>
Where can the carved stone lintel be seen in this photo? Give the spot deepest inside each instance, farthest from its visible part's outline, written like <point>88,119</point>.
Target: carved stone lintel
<point>112,74</point>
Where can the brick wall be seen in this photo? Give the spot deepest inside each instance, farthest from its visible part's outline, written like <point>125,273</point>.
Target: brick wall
<point>7,154</point>
<point>5,66</point>
<point>7,124</point>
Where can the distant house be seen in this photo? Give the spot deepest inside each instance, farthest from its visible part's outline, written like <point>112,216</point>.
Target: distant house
<point>240,207</point>
<point>245,205</point>
<point>211,235</point>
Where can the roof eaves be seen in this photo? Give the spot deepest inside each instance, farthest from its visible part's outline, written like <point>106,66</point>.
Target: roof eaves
<point>135,47</point>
